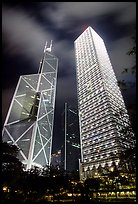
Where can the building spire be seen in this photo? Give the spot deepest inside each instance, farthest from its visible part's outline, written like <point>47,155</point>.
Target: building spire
<point>45,46</point>
<point>49,48</point>
<point>42,60</point>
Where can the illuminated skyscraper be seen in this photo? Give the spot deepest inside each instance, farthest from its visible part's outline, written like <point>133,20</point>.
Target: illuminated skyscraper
<point>102,112</point>
<point>29,122</point>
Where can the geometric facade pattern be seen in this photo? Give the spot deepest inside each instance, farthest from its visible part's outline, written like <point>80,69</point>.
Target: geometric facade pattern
<point>99,102</point>
<point>29,122</point>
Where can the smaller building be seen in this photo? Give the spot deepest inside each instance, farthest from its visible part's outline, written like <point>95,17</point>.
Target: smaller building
<point>72,139</point>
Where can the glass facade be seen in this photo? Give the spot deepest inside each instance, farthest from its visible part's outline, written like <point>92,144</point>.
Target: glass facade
<point>29,123</point>
<point>100,105</point>
<point>72,140</point>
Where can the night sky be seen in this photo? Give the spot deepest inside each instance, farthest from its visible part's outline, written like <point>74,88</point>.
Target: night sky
<point>26,27</point>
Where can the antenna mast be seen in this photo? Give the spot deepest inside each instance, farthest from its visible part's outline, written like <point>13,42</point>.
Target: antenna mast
<point>45,46</point>
<point>45,49</point>
<point>49,48</point>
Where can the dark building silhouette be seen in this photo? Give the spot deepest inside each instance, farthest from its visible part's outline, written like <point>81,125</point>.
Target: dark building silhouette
<point>71,147</point>
<point>56,159</point>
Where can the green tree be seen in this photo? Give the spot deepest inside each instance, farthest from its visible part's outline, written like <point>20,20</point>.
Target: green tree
<point>114,176</point>
<point>56,180</point>
<point>12,168</point>
<point>124,85</point>
<point>127,153</point>
<point>128,159</point>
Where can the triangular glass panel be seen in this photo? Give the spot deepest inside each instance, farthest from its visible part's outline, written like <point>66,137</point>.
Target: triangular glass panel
<point>21,99</point>
<point>27,103</point>
<point>48,55</point>
<point>50,117</point>
<point>44,127</point>
<point>50,75</point>
<point>43,139</point>
<point>51,78</point>
<point>24,142</point>
<point>37,148</point>
<point>47,97</point>
<point>32,80</point>
<point>52,62</point>
<point>6,137</point>
<point>48,78</point>
<point>47,135</point>
<point>38,136</point>
<point>44,84</point>
<point>47,67</point>
<point>40,159</point>
<point>15,113</point>
<point>16,130</point>
<point>47,150</point>
<point>42,109</point>
<point>23,88</point>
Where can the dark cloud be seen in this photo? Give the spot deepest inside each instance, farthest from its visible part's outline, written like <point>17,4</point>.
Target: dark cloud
<point>23,34</point>
<point>66,12</point>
